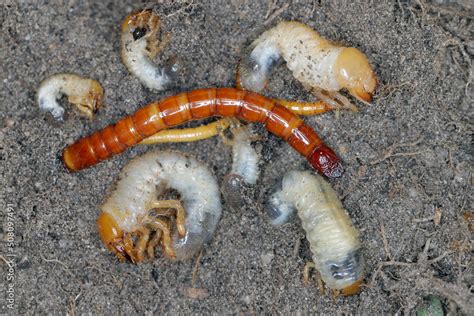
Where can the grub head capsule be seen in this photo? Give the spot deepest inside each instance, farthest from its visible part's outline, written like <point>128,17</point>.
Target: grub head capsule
<point>111,235</point>
<point>354,73</point>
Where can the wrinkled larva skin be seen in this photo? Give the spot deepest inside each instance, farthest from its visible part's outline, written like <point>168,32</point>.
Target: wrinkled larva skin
<point>86,94</point>
<point>314,61</point>
<point>309,56</point>
<point>333,240</point>
<point>138,188</point>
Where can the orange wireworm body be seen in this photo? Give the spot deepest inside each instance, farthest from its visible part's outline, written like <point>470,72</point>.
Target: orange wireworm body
<point>198,104</point>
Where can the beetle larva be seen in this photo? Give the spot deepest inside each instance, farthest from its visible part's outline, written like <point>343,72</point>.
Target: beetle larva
<point>319,64</point>
<point>333,240</point>
<point>199,104</point>
<point>140,46</point>
<point>133,220</point>
<point>84,93</point>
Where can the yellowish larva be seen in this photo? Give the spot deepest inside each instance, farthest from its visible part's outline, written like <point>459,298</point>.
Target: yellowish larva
<point>85,94</point>
<point>333,240</point>
<point>319,64</point>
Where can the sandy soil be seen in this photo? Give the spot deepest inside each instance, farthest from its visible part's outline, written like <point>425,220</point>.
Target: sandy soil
<point>407,158</point>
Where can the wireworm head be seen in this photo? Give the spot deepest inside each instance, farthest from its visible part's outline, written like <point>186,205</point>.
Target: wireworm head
<point>326,162</point>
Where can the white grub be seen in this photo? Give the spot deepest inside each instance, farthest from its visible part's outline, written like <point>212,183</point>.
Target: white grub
<point>245,169</point>
<point>245,158</point>
<point>316,62</point>
<point>139,187</point>
<point>85,94</point>
<point>333,240</point>
<point>140,45</point>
